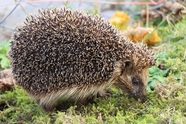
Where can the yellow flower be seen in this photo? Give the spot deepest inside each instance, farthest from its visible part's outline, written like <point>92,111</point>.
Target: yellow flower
<point>120,20</point>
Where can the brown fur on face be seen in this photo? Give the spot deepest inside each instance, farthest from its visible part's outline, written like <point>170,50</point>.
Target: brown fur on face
<point>135,82</point>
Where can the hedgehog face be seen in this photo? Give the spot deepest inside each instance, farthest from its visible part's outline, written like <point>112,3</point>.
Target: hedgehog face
<point>135,82</point>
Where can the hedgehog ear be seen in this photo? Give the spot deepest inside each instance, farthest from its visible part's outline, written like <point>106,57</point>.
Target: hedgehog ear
<point>128,64</point>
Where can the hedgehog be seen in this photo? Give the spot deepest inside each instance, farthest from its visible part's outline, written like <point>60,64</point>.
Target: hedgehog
<point>60,54</point>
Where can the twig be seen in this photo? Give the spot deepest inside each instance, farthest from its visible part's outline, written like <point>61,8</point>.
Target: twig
<point>147,17</point>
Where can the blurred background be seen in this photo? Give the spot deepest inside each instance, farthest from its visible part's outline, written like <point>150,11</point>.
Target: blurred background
<point>13,12</point>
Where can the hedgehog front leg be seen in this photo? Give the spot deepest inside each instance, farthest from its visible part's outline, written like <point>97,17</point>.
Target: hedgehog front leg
<point>104,93</point>
<point>100,94</point>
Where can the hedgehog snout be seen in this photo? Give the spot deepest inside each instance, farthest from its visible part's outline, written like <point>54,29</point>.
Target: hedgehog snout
<point>139,96</point>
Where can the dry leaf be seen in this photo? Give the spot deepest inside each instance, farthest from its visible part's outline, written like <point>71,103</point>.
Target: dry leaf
<point>6,80</point>
<point>120,20</point>
<point>176,9</point>
<point>139,34</point>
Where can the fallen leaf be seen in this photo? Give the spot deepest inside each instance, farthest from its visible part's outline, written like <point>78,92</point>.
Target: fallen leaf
<point>120,20</point>
<point>139,34</point>
<point>6,80</point>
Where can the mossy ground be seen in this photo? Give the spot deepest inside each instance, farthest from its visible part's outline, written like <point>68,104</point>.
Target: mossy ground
<point>166,94</point>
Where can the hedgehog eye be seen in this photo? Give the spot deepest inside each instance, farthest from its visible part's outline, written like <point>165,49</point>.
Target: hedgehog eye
<point>135,81</point>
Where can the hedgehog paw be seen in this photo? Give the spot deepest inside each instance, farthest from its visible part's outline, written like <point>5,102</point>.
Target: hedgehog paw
<point>104,94</point>
<point>101,94</point>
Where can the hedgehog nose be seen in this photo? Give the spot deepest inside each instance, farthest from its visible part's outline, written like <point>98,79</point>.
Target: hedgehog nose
<point>142,98</point>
